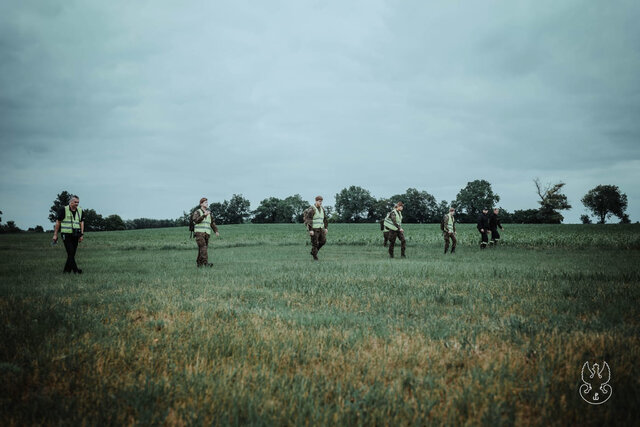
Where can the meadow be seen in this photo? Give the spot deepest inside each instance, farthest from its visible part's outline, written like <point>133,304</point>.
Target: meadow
<point>267,336</point>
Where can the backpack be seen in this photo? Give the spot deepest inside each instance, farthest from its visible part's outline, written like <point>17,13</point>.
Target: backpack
<point>442,223</point>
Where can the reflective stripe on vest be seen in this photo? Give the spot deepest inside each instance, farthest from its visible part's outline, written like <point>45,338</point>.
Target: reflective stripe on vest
<point>389,224</point>
<point>204,226</point>
<point>69,223</point>
<point>318,217</point>
<point>450,223</point>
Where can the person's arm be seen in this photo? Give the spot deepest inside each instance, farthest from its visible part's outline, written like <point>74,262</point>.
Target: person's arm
<point>81,230</point>
<point>480,229</point>
<point>197,218</point>
<point>214,227</point>
<point>308,220</point>
<point>55,230</point>
<point>392,217</point>
<point>326,220</point>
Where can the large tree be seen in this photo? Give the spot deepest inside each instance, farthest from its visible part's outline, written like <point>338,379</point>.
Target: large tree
<point>238,209</point>
<point>353,204</point>
<point>551,201</point>
<point>472,198</point>
<point>380,209</point>
<point>93,221</point>
<point>61,201</point>
<point>604,201</point>
<point>286,210</point>
<point>114,222</point>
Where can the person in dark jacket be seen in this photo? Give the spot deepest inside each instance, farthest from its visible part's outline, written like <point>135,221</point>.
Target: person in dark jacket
<point>483,228</point>
<point>494,224</point>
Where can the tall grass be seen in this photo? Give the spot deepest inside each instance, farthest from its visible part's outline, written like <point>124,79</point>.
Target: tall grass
<point>269,337</point>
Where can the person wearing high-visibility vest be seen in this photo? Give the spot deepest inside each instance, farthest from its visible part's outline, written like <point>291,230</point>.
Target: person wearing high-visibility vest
<point>203,224</point>
<point>448,226</point>
<point>317,222</point>
<point>393,224</point>
<point>70,223</point>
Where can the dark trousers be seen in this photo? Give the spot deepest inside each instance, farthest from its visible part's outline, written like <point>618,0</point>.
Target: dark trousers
<point>495,236</point>
<point>392,242</point>
<point>202,239</point>
<point>71,245</point>
<point>318,240</point>
<point>484,239</point>
<point>385,234</point>
<point>448,235</point>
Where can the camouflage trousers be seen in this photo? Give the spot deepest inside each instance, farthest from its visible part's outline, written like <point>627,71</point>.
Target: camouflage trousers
<point>318,240</point>
<point>392,242</point>
<point>448,236</point>
<point>202,239</point>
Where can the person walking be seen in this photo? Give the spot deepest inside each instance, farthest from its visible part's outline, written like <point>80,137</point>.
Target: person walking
<point>448,226</point>
<point>483,228</point>
<point>203,224</point>
<point>317,223</point>
<point>70,223</point>
<point>393,224</point>
<point>494,224</point>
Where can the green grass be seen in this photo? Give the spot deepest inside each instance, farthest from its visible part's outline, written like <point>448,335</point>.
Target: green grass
<point>270,337</point>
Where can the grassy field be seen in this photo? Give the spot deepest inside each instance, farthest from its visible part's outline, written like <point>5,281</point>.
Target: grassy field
<point>270,337</point>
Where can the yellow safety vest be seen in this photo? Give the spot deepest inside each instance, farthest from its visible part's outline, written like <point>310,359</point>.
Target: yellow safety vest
<point>389,224</point>
<point>450,223</point>
<point>318,217</point>
<point>204,226</point>
<point>69,223</point>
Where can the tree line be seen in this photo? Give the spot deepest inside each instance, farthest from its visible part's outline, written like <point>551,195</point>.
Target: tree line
<point>355,204</point>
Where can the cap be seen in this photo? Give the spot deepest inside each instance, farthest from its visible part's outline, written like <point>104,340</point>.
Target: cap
<point>319,198</point>
<point>399,204</point>
<point>203,199</point>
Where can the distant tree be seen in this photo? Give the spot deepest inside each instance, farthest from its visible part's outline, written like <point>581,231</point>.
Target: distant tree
<point>353,204</point>
<point>505,216</point>
<point>380,209</point>
<point>472,198</point>
<point>38,229</point>
<point>331,214</point>
<point>218,211</point>
<point>61,201</point>
<point>0,216</point>
<point>114,222</point>
<point>604,201</point>
<point>294,207</point>
<point>10,227</point>
<point>267,211</point>
<point>551,201</point>
<point>93,221</point>
<point>526,216</point>
<point>625,219</point>
<point>238,209</point>
<point>585,219</point>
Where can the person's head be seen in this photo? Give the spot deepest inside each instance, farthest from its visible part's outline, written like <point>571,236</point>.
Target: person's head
<point>73,202</point>
<point>452,210</point>
<point>496,210</point>
<point>318,201</point>
<point>204,203</point>
<point>399,206</point>
<point>485,210</point>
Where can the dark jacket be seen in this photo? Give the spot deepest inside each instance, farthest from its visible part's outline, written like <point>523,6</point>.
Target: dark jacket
<point>494,222</point>
<point>483,222</point>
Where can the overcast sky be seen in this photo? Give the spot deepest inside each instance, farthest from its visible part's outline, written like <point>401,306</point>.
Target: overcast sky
<point>143,107</point>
